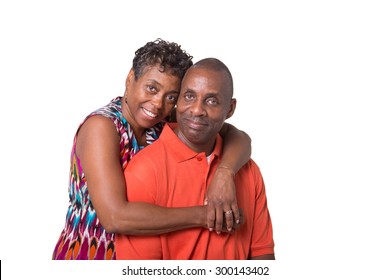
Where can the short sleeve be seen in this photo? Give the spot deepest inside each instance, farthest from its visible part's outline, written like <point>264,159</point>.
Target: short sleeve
<point>140,185</point>
<point>262,238</point>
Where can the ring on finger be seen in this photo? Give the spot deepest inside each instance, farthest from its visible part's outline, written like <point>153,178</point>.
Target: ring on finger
<point>228,213</point>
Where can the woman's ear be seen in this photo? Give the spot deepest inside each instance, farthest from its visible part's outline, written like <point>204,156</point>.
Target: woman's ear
<point>130,76</point>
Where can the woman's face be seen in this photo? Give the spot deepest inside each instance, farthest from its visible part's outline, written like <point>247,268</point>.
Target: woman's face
<point>151,98</point>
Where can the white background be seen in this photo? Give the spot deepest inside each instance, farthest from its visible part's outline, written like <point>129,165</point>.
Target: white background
<point>312,80</point>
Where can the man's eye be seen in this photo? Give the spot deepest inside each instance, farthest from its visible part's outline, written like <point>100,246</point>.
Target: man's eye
<point>212,101</point>
<point>189,97</point>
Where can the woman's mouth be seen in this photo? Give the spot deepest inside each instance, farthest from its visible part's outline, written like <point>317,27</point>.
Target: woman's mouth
<point>149,113</point>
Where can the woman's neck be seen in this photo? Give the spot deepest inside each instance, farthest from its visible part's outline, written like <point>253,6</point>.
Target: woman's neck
<point>139,132</point>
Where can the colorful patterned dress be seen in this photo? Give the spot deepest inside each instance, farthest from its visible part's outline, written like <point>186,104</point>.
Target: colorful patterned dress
<point>84,237</point>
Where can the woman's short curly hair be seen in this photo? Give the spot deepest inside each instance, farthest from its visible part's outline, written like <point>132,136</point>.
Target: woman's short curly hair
<point>169,56</point>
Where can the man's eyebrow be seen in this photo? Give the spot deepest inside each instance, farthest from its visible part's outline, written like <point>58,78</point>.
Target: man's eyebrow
<point>188,90</point>
<point>212,94</point>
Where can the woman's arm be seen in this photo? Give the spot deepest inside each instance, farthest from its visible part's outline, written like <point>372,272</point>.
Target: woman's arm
<point>99,152</point>
<point>221,194</point>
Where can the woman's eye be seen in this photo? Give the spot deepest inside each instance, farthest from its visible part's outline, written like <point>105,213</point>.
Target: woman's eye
<point>151,88</point>
<point>172,98</point>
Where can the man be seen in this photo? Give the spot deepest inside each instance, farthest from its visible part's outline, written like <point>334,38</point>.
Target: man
<point>176,169</point>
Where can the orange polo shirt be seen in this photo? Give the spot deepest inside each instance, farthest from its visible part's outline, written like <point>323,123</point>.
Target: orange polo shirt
<point>168,173</point>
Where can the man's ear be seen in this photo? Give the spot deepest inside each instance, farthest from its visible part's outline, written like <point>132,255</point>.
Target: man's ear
<point>232,108</point>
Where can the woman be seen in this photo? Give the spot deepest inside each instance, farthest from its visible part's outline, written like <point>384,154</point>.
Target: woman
<point>107,140</point>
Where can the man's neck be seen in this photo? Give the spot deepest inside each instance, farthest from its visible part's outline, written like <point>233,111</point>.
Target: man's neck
<point>206,148</point>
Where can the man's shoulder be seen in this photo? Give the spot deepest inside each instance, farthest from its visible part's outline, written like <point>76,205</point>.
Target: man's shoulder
<point>151,152</point>
<point>250,171</point>
<point>250,165</point>
<point>146,162</point>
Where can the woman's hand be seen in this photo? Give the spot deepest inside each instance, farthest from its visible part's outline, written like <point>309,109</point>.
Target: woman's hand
<point>221,201</point>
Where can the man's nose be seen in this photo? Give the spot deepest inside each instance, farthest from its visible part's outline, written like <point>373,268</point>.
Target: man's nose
<point>197,108</point>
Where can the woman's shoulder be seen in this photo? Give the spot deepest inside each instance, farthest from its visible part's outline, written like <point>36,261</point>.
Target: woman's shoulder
<point>105,116</point>
<point>98,126</point>
<point>112,110</point>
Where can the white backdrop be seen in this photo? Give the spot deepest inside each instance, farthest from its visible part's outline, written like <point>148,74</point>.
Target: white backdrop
<point>312,84</point>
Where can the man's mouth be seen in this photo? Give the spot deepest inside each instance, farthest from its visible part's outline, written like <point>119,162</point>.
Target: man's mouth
<point>196,124</point>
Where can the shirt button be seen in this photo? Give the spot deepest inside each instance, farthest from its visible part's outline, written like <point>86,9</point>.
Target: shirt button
<point>199,158</point>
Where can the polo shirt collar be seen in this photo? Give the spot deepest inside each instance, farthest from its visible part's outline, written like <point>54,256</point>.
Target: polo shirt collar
<point>180,150</point>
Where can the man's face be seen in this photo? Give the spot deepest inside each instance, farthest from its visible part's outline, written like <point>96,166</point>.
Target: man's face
<point>203,105</point>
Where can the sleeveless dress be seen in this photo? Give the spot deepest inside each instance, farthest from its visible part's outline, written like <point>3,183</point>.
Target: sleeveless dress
<point>83,237</point>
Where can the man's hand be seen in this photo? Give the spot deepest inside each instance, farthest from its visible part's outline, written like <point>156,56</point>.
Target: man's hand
<point>221,201</point>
